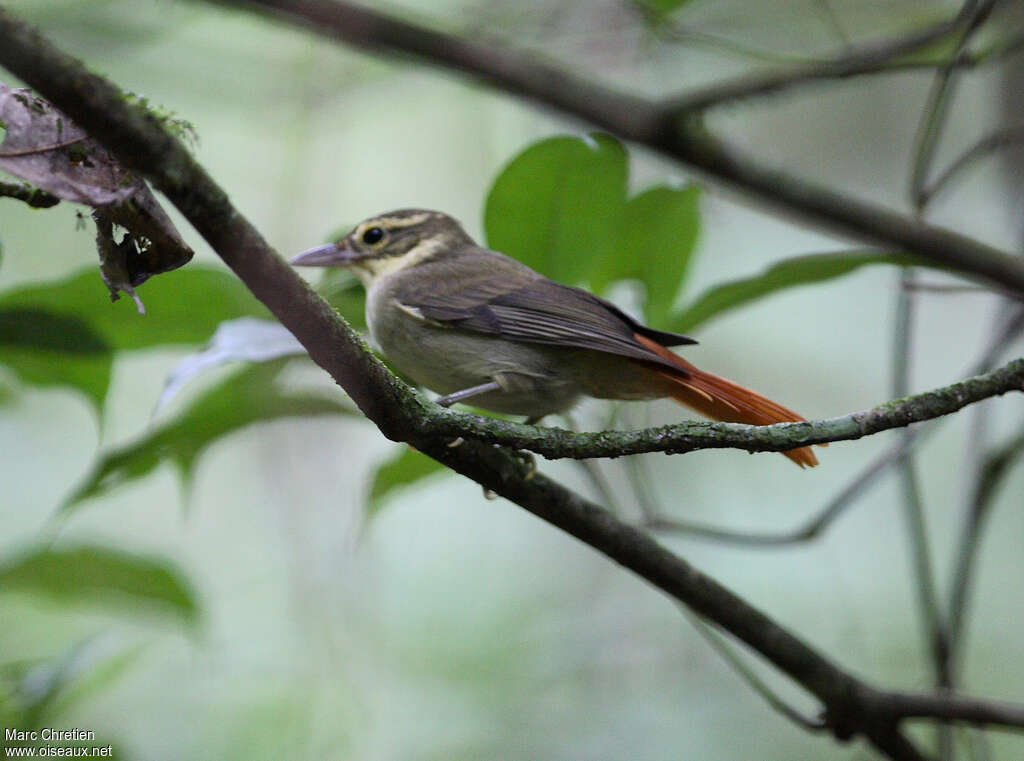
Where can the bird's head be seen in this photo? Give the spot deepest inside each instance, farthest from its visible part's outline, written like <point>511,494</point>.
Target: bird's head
<point>388,243</point>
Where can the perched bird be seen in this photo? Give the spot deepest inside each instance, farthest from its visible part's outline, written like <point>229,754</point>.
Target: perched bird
<point>475,324</point>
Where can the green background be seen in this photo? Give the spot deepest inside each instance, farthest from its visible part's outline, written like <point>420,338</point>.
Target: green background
<point>449,626</point>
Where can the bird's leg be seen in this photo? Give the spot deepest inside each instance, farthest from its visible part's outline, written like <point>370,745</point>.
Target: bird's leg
<point>468,393</point>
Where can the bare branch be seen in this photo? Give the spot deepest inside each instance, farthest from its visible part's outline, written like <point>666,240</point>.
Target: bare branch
<point>822,519</point>
<point>950,707</point>
<point>933,119</point>
<point>747,674</point>
<point>894,455</point>
<point>868,58</point>
<point>994,469</point>
<point>1003,138</point>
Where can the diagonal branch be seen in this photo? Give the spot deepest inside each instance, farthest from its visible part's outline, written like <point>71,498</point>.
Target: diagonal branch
<point>1001,138</point>
<point>867,58</point>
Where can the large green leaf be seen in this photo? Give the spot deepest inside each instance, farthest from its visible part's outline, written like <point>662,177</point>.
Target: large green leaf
<point>405,469</point>
<point>45,348</point>
<point>558,205</point>
<point>655,242</point>
<point>247,396</point>
<point>561,207</point>
<point>182,307</point>
<point>93,574</point>
<point>65,332</point>
<point>788,273</point>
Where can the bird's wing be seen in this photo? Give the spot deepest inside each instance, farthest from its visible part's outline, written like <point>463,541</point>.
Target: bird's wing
<point>540,311</point>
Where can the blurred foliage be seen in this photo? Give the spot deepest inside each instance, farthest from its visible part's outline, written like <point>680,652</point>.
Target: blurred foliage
<point>92,573</point>
<point>787,273</point>
<point>39,693</point>
<point>65,333</point>
<point>246,396</point>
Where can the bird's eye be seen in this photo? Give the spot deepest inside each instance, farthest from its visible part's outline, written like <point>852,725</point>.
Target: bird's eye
<point>373,235</point>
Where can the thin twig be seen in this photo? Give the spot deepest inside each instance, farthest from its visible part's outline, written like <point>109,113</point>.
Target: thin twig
<point>668,29</point>
<point>990,469</point>
<point>859,484</point>
<point>747,674</point>
<point>974,466</point>
<point>863,59</point>
<point>824,517</point>
<point>1002,138</point>
<point>934,115</point>
<point>922,287</point>
<point>995,468</point>
<point>932,619</point>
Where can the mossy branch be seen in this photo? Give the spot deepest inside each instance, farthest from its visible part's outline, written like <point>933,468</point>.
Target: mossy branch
<point>34,197</point>
<point>555,443</point>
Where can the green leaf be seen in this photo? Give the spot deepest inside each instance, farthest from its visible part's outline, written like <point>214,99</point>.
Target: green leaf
<point>655,246</point>
<point>183,307</point>
<point>247,396</point>
<point>788,273</point>
<point>561,207</point>
<point>45,348</point>
<point>558,205</point>
<point>65,332</point>
<point>93,574</point>
<point>408,467</point>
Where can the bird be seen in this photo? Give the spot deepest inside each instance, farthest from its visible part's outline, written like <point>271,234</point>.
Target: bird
<point>475,325</point>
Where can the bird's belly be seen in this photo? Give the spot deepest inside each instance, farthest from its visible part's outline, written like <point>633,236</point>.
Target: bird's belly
<point>535,379</point>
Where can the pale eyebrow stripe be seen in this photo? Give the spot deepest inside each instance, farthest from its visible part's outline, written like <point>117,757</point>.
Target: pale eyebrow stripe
<point>395,222</point>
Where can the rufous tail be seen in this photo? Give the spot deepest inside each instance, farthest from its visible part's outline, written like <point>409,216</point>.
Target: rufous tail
<point>721,399</point>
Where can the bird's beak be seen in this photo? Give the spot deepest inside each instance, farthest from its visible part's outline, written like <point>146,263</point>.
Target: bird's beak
<point>329,255</point>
